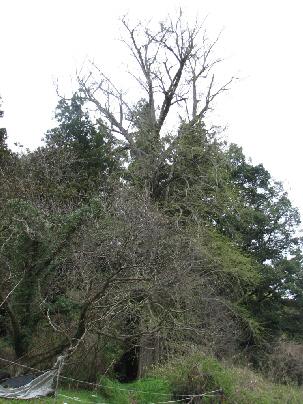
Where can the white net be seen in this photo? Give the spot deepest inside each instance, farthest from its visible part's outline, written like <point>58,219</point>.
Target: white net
<point>41,386</point>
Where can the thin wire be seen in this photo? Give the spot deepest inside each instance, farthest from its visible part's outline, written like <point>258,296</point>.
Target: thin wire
<point>191,396</point>
<point>88,383</point>
<point>207,394</point>
<point>117,388</point>
<point>210,393</point>
<point>23,366</point>
<point>174,401</point>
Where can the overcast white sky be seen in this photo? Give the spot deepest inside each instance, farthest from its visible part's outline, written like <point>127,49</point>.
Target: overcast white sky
<point>262,40</point>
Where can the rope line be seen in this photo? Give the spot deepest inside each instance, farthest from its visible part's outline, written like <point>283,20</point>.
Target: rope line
<point>185,396</point>
<point>117,388</point>
<point>23,366</point>
<point>79,400</point>
<point>173,401</point>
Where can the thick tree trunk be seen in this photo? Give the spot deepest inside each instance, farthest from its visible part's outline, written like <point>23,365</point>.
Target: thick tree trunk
<point>20,345</point>
<point>149,353</point>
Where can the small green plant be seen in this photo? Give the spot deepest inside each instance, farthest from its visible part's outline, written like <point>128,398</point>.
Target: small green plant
<point>141,391</point>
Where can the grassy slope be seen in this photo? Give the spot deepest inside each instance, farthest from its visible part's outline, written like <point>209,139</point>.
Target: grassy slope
<point>251,388</point>
<point>241,385</point>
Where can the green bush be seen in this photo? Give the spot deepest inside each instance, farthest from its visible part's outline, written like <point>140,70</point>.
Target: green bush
<point>199,374</point>
<point>195,375</point>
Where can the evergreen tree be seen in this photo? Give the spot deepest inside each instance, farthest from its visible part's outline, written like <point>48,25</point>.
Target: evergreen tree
<point>94,157</point>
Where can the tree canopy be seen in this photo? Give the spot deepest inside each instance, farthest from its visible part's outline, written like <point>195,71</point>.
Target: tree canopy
<point>126,231</point>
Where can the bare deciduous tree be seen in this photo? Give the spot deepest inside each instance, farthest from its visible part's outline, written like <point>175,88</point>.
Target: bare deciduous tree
<point>175,73</point>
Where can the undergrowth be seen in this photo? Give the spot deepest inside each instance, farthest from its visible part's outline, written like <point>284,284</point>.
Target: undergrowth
<point>185,376</point>
<point>143,391</point>
<point>201,374</point>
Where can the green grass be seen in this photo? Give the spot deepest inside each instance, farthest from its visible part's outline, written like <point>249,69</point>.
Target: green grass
<point>142,391</point>
<point>251,388</point>
<point>113,392</point>
<point>195,374</point>
<point>64,396</point>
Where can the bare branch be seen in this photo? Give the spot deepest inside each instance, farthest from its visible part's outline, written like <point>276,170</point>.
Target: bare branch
<point>211,96</point>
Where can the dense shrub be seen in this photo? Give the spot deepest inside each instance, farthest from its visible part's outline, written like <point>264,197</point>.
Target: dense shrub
<point>196,374</point>
<point>200,374</point>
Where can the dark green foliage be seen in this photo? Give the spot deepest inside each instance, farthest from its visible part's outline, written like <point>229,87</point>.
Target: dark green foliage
<point>92,158</point>
<point>195,187</point>
<point>265,222</point>
<point>223,215</point>
<point>4,152</point>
